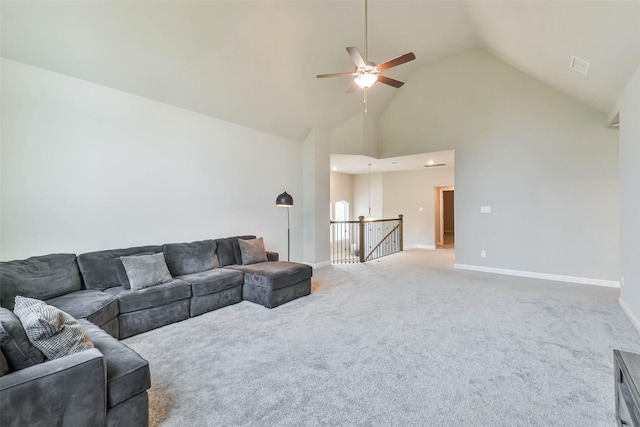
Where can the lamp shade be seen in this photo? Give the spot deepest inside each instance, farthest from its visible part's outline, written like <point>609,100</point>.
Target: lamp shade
<point>284,200</point>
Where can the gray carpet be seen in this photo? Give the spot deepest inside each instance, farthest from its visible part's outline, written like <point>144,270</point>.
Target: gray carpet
<point>401,341</point>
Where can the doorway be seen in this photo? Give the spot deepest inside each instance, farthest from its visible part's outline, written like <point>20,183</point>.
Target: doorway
<point>444,217</point>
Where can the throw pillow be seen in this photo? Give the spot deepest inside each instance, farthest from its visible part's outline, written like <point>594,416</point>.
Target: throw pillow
<point>15,345</point>
<point>252,251</point>
<point>51,330</point>
<point>122,273</point>
<point>145,271</point>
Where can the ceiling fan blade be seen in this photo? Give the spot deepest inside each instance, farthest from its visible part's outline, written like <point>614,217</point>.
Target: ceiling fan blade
<point>390,81</point>
<point>356,57</point>
<point>320,76</point>
<point>397,61</point>
<point>353,88</point>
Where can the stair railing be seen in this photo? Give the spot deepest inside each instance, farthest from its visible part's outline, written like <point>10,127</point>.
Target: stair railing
<point>366,239</point>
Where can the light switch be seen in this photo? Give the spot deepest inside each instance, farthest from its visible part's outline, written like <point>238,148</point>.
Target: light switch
<point>485,209</point>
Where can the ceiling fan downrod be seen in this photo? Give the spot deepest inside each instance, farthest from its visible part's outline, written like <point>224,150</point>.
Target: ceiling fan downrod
<point>366,55</point>
<point>366,32</point>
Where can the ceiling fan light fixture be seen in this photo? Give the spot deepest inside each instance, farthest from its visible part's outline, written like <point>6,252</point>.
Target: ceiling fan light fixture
<point>365,80</point>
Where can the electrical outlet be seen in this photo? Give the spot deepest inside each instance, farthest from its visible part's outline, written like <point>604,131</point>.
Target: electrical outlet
<point>483,254</point>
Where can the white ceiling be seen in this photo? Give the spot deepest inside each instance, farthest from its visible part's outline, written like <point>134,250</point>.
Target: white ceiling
<point>355,165</point>
<point>254,62</point>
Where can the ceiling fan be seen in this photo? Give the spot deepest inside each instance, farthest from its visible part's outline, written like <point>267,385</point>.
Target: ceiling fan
<point>366,72</point>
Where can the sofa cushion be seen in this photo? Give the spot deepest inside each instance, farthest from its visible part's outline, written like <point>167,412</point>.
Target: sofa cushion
<point>252,251</point>
<point>229,250</point>
<point>211,281</point>
<point>70,391</point>
<point>98,269</point>
<point>127,372</point>
<point>274,275</point>
<point>55,333</point>
<point>145,271</point>
<point>15,345</point>
<point>188,258</point>
<point>40,277</point>
<point>137,322</point>
<point>155,296</point>
<point>226,256</point>
<point>96,306</point>
<point>4,365</point>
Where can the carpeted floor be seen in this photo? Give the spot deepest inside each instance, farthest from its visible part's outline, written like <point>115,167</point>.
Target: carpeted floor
<point>401,341</point>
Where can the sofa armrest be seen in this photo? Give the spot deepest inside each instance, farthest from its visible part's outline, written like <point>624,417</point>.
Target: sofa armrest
<point>70,391</point>
<point>273,256</point>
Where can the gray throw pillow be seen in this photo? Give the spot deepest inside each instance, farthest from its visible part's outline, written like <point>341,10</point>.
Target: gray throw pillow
<point>15,345</point>
<point>122,273</point>
<point>252,251</point>
<point>145,271</point>
<point>51,330</point>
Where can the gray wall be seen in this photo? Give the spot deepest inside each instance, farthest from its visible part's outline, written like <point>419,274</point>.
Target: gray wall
<point>406,192</point>
<point>86,167</point>
<point>629,108</point>
<point>544,162</point>
<point>341,188</point>
<point>316,197</point>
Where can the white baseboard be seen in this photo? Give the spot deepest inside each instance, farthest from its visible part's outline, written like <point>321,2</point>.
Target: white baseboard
<point>318,265</point>
<point>544,276</point>
<point>629,314</point>
<point>416,246</point>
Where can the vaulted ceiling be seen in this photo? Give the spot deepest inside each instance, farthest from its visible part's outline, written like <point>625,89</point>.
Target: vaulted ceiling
<point>254,62</point>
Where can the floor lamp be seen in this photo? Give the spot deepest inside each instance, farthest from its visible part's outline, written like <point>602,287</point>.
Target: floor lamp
<point>285,200</point>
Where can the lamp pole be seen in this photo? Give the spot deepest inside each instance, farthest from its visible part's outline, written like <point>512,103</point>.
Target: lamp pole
<point>285,200</point>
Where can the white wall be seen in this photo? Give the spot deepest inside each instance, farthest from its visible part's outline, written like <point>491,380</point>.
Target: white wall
<point>348,138</point>
<point>629,108</point>
<point>85,167</point>
<point>544,162</point>
<point>405,192</point>
<point>316,178</point>
<point>361,195</point>
<point>358,135</point>
<point>341,188</point>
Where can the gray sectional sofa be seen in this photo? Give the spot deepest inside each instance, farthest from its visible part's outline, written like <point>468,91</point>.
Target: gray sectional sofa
<point>108,384</point>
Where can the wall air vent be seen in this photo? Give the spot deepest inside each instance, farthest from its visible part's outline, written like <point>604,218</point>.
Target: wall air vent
<point>435,166</point>
<point>579,65</point>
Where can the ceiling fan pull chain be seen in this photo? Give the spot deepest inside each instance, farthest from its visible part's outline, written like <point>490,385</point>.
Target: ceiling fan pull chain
<point>365,100</point>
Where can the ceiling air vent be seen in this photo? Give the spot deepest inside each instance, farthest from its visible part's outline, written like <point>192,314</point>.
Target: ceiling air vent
<point>434,166</point>
<point>579,65</point>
